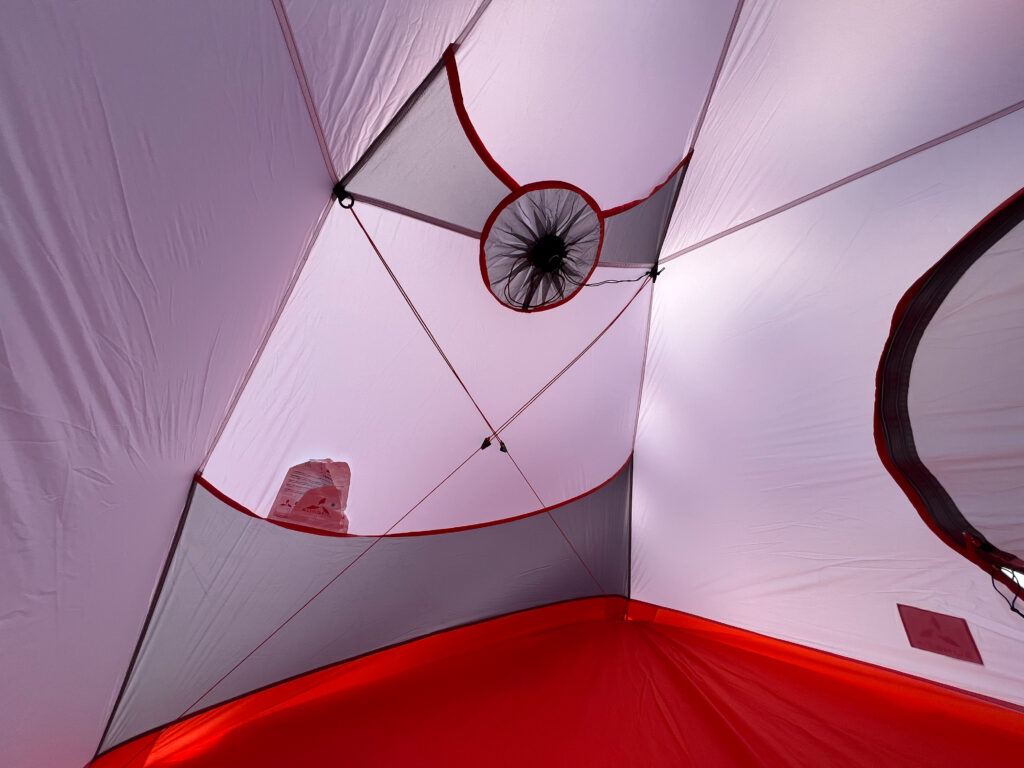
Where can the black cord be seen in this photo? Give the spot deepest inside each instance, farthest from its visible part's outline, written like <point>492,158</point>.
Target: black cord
<point>1009,602</point>
<point>651,273</point>
<point>609,282</point>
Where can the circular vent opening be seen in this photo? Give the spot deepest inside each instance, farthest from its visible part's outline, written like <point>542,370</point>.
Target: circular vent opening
<point>540,245</point>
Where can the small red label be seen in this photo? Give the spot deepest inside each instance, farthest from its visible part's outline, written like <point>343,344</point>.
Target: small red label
<point>939,633</point>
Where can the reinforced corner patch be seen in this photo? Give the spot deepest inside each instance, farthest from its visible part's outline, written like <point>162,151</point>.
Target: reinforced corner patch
<point>939,633</point>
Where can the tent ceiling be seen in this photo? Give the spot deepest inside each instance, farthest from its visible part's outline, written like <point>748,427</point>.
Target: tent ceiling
<point>165,184</point>
<point>363,60</point>
<point>812,92</point>
<point>567,97</point>
<point>383,399</point>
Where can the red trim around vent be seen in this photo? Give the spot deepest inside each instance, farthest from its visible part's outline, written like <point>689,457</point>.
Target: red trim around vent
<point>509,198</point>
<point>455,84</point>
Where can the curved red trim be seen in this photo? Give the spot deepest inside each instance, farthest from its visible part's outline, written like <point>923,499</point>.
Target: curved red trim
<point>467,125</point>
<point>519,193</point>
<point>202,481</point>
<point>626,206</point>
<point>963,548</point>
<point>455,84</point>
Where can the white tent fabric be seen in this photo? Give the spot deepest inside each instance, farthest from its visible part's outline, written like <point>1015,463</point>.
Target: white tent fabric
<point>613,120</point>
<point>159,190</point>
<point>320,387</point>
<point>363,60</point>
<point>812,92</point>
<point>760,499</point>
<point>179,292</point>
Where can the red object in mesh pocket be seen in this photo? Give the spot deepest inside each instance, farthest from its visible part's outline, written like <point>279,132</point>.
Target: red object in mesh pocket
<point>314,494</point>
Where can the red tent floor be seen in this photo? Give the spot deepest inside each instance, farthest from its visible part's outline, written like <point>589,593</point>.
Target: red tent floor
<point>575,684</point>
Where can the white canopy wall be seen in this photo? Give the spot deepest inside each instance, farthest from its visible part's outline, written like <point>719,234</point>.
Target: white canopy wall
<point>161,180</point>
<point>760,498</point>
<point>383,398</point>
<point>163,184</point>
<point>169,185</point>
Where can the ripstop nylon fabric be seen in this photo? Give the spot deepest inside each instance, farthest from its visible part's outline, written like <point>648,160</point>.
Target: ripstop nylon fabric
<point>167,186</point>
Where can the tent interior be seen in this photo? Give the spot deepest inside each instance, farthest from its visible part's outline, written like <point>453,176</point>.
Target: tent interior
<point>504,382</point>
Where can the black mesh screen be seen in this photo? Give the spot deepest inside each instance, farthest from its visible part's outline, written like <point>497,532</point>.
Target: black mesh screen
<point>540,246</point>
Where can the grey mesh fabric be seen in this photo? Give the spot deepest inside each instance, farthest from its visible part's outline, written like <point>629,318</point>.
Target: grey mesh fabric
<point>635,235</point>
<point>235,580</point>
<point>966,395</point>
<point>426,165</point>
<point>540,247</point>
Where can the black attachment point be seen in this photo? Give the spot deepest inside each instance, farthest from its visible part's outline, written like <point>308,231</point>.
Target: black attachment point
<point>486,443</point>
<point>345,200</point>
<point>653,274</point>
<point>503,448</point>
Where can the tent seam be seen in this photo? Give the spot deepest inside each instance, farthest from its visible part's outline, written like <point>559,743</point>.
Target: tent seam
<point>881,165</point>
<point>149,616</point>
<point>285,298</point>
<point>522,409</point>
<point>423,323</point>
<point>718,73</point>
<point>471,24</point>
<point>307,93</point>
